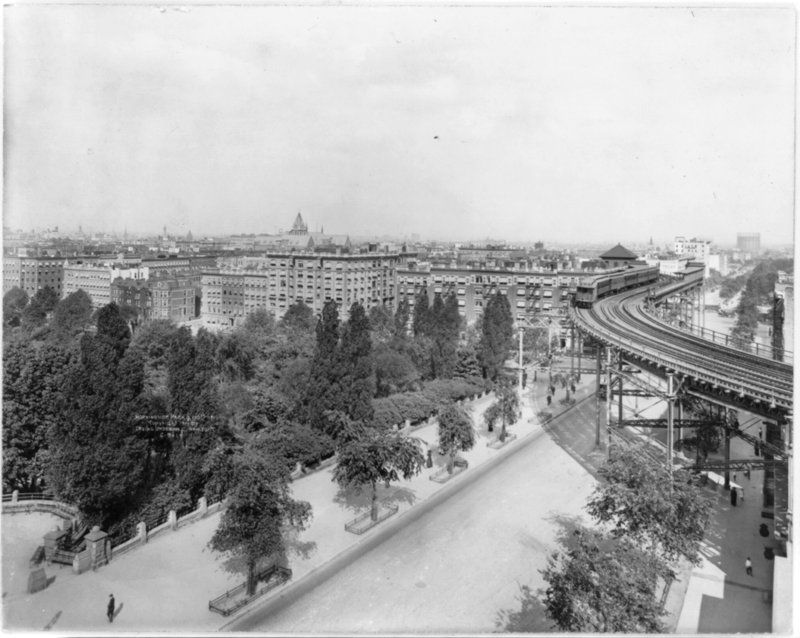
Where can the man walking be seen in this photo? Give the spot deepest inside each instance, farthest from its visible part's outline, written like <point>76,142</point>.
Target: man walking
<point>110,610</point>
<point>748,566</point>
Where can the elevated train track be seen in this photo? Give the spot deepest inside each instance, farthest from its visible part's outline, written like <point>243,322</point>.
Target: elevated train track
<point>710,370</point>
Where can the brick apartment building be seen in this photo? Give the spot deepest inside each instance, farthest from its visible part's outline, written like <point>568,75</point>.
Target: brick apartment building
<point>277,280</point>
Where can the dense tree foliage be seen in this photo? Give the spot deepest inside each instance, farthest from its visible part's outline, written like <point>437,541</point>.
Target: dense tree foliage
<point>355,376</point>
<point>14,302</point>
<point>599,584</point>
<point>640,502</point>
<point>321,390</point>
<point>33,379</point>
<point>97,460</point>
<point>72,314</point>
<point>497,336</point>
<point>758,290</point>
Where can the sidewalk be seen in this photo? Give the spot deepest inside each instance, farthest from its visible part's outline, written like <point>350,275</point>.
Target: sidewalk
<point>721,597</point>
<point>166,584</point>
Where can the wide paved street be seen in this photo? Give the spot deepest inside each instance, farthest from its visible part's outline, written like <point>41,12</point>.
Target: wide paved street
<point>456,567</point>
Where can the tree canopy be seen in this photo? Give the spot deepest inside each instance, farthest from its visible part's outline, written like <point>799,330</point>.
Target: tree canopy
<point>374,456</point>
<point>598,583</point>
<point>259,511</point>
<point>638,499</point>
<point>456,433</point>
<point>497,337</point>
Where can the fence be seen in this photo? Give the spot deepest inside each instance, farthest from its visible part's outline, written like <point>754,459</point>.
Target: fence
<point>233,600</point>
<point>364,522</point>
<point>26,502</point>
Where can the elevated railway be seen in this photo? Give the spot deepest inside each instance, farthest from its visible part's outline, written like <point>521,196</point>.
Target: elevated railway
<point>707,369</point>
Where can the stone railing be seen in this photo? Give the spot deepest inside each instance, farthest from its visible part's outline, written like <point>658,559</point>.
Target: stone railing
<point>27,502</point>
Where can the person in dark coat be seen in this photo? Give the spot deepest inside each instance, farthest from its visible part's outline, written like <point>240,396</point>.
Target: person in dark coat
<point>110,610</point>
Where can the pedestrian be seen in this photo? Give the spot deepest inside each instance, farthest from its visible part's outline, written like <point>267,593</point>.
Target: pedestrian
<point>549,400</point>
<point>748,566</point>
<point>747,473</point>
<point>759,434</point>
<point>110,610</point>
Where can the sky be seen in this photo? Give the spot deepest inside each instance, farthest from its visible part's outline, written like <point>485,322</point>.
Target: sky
<point>557,124</point>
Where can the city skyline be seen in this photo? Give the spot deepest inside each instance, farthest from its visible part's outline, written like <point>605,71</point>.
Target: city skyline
<point>519,123</point>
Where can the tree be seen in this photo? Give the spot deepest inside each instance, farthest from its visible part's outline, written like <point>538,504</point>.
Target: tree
<point>14,302</point>
<point>356,375</point>
<point>33,383</point>
<point>194,401</point>
<point>73,313</point>
<point>97,459</point>
<point>321,392</point>
<point>42,303</point>
<point>394,372</point>
<point>401,317</point>
<point>299,316</point>
<point>381,324</point>
<point>602,584</point>
<point>47,298</point>
<point>113,329</point>
<point>236,355</point>
<point>260,322</point>
<point>455,432</point>
<point>497,337</point>
<point>638,499</point>
<point>505,409</point>
<point>443,327</point>
<point>260,509</point>
<point>377,456</point>
<point>421,322</point>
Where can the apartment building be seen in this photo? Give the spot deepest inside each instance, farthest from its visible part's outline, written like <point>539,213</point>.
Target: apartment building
<point>32,273</point>
<point>275,281</point>
<point>174,297</point>
<point>95,279</point>
<point>528,292</point>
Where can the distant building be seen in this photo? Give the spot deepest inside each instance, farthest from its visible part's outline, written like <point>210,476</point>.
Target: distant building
<point>749,243</point>
<point>694,248</point>
<point>275,281</point>
<point>619,257</point>
<point>95,279</point>
<point>134,293</point>
<point>783,317</point>
<point>175,298</point>
<point>529,292</point>
<point>718,262</point>
<point>33,273</point>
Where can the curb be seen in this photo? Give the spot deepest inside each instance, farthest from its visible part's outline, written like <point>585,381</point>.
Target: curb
<point>291,593</point>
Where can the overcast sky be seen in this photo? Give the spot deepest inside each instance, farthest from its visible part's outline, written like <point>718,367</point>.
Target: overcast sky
<point>564,124</point>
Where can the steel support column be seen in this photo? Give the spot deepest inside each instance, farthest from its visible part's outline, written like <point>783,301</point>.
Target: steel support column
<point>727,432</point>
<point>572,351</point>
<point>598,353</point>
<point>580,352</point>
<point>670,419</point>
<point>609,396</point>
<point>619,380</point>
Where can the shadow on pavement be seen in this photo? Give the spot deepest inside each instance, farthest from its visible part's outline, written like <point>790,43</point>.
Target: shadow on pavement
<point>529,618</point>
<point>359,499</point>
